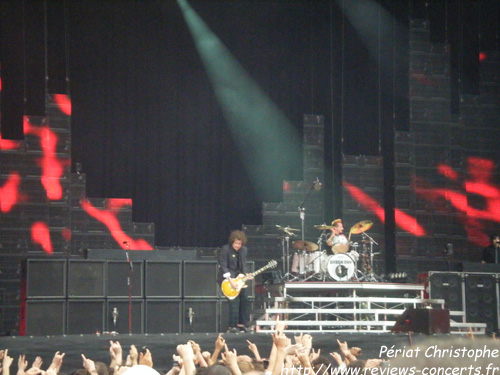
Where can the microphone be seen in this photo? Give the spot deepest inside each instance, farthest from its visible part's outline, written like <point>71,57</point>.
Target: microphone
<point>128,258</point>
<point>317,184</point>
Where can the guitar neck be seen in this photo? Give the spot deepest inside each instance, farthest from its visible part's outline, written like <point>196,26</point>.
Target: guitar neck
<point>255,273</point>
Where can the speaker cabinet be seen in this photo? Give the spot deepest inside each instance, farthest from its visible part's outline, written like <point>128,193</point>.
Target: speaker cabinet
<point>481,300</point>
<point>45,317</point>
<point>122,321</point>
<point>447,286</point>
<point>118,276</point>
<point>223,315</point>
<point>163,279</point>
<point>428,321</point>
<point>163,316</point>
<point>204,315</point>
<point>46,278</point>
<point>86,279</point>
<point>200,279</point>
<point>85,316</point>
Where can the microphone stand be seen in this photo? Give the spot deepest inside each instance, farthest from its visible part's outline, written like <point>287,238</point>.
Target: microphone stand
<point>129,283</point>
<point>316,185</point>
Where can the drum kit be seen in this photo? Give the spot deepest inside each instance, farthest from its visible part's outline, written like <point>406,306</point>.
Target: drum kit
<point>315,261</point>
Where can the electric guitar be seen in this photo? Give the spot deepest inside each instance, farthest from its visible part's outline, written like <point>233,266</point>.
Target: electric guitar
<point>241,279</point>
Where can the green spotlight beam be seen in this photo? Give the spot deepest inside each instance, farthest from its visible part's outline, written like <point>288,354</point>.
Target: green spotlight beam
<point>266,138</point>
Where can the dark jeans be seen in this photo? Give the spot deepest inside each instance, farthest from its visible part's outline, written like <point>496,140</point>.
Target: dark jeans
<point>239,309</point>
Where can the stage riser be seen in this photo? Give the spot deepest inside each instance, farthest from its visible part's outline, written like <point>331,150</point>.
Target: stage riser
<point>372,307</point>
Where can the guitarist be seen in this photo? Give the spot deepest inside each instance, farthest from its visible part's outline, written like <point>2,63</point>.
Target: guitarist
<point>232,260</point>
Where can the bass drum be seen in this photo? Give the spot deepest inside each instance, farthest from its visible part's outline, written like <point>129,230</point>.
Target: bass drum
<point>341,267</point>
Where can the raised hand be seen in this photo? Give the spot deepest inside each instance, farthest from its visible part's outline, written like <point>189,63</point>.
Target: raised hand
<point>134,355</point>
<point>57,362</point>
<point>337,358</point>
<point>220,343</point>
<point>38,362</point>
<point>89,365</point>
<point>146,358</point>
<point>22,364</point>
<point>253,348</point>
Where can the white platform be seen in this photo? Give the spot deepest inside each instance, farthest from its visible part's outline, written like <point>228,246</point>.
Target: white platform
<point>351,306</point>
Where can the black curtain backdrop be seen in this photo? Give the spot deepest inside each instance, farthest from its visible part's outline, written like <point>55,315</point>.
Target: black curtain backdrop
<point>146,123</point>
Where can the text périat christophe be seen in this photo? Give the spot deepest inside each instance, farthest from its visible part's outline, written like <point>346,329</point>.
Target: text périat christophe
<point>434,351</point>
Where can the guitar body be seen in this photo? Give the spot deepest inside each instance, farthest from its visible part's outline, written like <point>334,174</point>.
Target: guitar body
<point>241,280</point>
<point>228,291</point>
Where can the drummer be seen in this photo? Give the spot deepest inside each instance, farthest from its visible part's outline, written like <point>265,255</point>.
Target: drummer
<point>337,236</point>
<point>339,242</point>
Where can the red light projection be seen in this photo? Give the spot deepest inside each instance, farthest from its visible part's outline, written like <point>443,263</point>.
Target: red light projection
<point>52,167</point>
<point>108,216</point>
<point>64,103</point>
<point>403,220</point>
<point>6,144</point>
<point>9,193</point>
<point>478,184</point>
<point>40,235</point>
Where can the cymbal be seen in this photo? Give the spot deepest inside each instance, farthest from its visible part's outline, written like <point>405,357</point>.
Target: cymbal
<point>323,227</point>
<point>361,227</point>
<point>305,245</point>
<point>287,229</point>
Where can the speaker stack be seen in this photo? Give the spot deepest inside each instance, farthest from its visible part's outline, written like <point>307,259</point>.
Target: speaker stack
<point>88,296</point>
<point>476,294</point>
<point>481,301</point>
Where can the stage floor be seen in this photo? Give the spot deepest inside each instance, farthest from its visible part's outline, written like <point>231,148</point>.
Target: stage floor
<point>163,346</point>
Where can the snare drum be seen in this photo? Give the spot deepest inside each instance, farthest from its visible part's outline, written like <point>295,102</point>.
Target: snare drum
<point>340,267</point>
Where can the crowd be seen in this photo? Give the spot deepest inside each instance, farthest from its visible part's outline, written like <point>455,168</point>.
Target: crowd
<point>288,356</point>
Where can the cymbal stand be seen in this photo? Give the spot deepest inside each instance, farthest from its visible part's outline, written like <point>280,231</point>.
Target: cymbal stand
<point>370,276</point>
<point>285,246</point>
<point>321,237</point>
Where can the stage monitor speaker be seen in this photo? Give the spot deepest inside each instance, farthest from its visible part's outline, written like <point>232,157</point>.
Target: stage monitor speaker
<point>46,278</point>
<point>163,316</point>
<point>121,308</point>
<point>426,321</point>
<point>118,275</point>
<point>203,314</point>
<point>481,299</point>
<point>86,278</point>
<point>85,316</point>
<point>163,279</point>
<point>447,286</point>
<point>45,317</point>
<point>200,279</point>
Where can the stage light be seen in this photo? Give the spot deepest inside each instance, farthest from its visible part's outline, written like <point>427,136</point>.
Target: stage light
<point>267,137</point>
